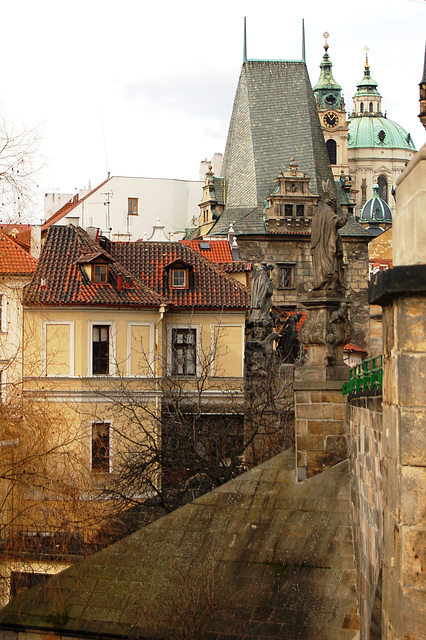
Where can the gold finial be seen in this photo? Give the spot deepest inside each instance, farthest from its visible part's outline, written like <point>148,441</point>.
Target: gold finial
<point>326,35</point>
<point>366,49</point>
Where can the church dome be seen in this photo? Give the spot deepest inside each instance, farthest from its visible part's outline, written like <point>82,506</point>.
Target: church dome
<point>375,131</point>
<point>375,209</point>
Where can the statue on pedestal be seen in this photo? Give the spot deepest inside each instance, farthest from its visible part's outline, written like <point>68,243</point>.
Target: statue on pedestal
<point>326,243</point>
<point>261,293</point>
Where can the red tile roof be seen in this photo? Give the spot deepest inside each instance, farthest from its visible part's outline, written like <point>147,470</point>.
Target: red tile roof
<point>352,348</point>
<point>218,251</point>
<point>60,280</point>
<point>14,260</point>
<point>69,206</point>
<point>209,287</point>
<point>21,233</point>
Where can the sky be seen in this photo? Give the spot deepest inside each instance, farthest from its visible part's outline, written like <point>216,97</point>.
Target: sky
<point>144,88</point>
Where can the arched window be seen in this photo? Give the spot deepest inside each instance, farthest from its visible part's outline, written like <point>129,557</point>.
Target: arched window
<point>383,188</point>
<point>362,107</point>
<point>331,149</point>
<point>370,107</point>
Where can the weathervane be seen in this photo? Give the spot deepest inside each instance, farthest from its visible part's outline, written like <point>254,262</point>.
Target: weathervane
<point>326,35</point>
<point>366,49</point>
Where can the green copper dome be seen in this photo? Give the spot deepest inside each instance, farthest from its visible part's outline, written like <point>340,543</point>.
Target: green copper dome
<point>375,209</point>
<point>375,131</point>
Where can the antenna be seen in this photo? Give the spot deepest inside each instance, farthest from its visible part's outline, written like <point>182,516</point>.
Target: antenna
<point>245,41</point>
<point>303,41</point>
<point>103,135</point>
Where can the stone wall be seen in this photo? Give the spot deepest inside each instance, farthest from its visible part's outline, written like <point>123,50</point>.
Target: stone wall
<point>404,467</point>
<point>295,251</point>
<point>366,456</point>
<point>320,426</point>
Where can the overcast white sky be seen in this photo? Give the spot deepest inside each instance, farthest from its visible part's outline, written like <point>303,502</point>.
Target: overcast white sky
<point>153,83</point>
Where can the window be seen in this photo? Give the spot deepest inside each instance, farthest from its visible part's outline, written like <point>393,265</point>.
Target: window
<point>132,206</point>
<point>300,210</point>
<point>101,447</point>
<point>331,150</point>
<point>362,107</point>
<point>100,273</point>
<point>370,107</point>
<point>288,210</point>
<point>184,352</point>
<point>383,188</point>
<point>285,277</point>
<point>179,278</point>
<point>100,349</point>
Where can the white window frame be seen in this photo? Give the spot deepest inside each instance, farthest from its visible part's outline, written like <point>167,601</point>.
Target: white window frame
<point>185,278</point>
<point>222,325</point>
<point>197,328</point>
<point>110,465</point>
<point>150,354</point>
<point>44,348</point>
<point>112,366</point>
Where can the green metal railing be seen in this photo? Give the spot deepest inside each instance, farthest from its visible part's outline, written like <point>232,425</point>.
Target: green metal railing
<point>368,375</point>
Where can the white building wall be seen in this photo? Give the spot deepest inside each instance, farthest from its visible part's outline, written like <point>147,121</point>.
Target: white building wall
<point>11,331</point>
<point>174,202</point>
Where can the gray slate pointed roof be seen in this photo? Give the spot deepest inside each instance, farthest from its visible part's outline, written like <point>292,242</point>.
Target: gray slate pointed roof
<point>274,119</point>
<point>262,556</point>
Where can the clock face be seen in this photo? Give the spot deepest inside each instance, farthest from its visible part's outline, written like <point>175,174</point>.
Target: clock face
<point>331,119</point>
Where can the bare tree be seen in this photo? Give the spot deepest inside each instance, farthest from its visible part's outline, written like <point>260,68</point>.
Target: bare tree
<point>48,518</point>
<point>177,437</point>
<point>19,163</point>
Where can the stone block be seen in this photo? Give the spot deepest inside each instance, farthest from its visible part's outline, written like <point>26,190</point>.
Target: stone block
<point>413,558</point>
<point>310,443</point>
<point>412,379</point>
<point>325,427</point>
<point>412,437</point>
<point>301,427</point>
<point>390,431</point>
<point>302,397</point>
<point>413,498</point>
<point>314,411</point>
<point>411,318</point>
<point>337,445</point>
<point>339,412</point>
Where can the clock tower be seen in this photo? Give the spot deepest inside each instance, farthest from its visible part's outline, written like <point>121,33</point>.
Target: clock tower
<point>332,115</point>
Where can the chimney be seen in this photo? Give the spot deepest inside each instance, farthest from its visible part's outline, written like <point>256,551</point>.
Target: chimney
<point>35,243</point>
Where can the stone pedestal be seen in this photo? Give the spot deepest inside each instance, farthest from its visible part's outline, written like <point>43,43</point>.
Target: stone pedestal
<point>320,417</point>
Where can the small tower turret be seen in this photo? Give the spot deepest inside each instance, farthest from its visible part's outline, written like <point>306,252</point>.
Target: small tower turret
<point>367,100</point>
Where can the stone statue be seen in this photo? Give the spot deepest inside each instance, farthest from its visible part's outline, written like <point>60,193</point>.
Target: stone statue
<point>326,243</point>
<point>261,293</point>
<point>288,346</point>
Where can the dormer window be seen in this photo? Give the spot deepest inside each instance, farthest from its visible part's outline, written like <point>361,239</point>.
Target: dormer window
<point>179,278</point>
<point>100,273</point>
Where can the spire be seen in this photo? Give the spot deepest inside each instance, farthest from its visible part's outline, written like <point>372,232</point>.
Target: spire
<point>327,92</point>
<point>303,41</point>
<point>245,41</point>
